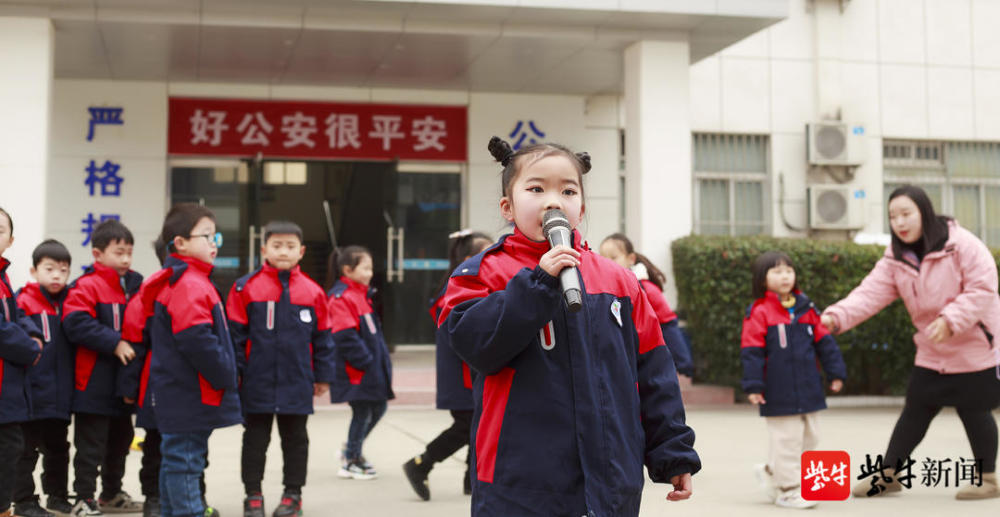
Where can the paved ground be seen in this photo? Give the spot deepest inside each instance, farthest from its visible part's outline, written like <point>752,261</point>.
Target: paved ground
<point>729,440</point>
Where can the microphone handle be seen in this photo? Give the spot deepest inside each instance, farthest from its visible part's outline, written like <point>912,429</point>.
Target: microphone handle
<point>571,289</point>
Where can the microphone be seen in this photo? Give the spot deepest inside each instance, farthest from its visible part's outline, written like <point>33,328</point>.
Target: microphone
<point>555,227</point>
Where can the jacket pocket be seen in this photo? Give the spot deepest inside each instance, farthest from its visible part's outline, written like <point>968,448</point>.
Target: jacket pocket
<point>209,395</point>
<point>354,375</point>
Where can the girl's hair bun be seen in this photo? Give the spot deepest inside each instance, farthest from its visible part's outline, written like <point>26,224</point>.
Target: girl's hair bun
<point>502,151</point>
<point>585,160</point>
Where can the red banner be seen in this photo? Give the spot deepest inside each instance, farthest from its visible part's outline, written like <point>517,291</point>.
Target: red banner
<point>330,130</point>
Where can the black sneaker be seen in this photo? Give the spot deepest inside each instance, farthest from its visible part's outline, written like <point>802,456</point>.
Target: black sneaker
<point>31,508</point>
<point>416,472</point>
<point>291,506</point>
<point>151,507</point>
<point>59,505</point>
<point>211,512</point>
<point>253,506</point>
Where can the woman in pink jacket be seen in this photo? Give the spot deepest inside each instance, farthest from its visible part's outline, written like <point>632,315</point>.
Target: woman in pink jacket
<point>947,279</point>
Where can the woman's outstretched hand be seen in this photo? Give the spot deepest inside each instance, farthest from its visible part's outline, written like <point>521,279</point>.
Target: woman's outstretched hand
<point>828,322</point>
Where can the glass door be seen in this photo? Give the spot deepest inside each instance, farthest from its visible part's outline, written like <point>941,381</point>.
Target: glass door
<point>428,208</point>
<point>403,215</point>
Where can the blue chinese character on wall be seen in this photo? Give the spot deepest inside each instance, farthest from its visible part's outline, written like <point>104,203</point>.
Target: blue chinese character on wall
<point>106,176</point>
<point>104,116</point>
<point>90,222</point>
<point>520,134</point>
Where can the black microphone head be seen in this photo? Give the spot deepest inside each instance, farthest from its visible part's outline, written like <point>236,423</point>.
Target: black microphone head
<point>552,219</point>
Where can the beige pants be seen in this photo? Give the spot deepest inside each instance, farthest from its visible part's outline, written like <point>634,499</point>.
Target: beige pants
<point>790,436</point>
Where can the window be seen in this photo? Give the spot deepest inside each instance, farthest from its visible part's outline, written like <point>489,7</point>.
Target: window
<point>730,178</point>
<point>962,179</point>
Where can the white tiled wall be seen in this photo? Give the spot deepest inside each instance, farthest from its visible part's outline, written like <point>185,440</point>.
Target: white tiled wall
<point>922,69</point>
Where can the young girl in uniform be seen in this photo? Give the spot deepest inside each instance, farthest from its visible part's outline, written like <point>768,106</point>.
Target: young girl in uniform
<point>569,406</point>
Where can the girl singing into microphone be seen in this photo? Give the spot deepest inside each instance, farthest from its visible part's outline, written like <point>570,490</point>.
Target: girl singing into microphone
<point>568,406</point>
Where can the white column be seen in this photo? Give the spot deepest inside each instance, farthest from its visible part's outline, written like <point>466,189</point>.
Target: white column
<point>26,56</point>
<point>658,195</point>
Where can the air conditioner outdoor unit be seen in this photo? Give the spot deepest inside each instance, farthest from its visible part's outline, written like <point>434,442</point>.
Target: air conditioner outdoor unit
<point>836,207</point>
<point>835,143</point>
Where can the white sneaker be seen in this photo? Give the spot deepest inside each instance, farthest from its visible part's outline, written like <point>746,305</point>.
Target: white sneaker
<point>86,508</point>
<point>765,481</point>
<point>793,499</point>
<point>355,470</point>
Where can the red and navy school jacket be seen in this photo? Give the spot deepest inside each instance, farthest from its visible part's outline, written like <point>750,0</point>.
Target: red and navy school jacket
<point>92,320</point>
<point>780,348</point>
<point>668,326</point>
<point>50,381</point>
<point>17,351</point>
<point>363,370</point>
<point>279,323</point>
<point>192,373</point>
<point>134,377</point>
<point>568,406</point>
<point>454,377</point>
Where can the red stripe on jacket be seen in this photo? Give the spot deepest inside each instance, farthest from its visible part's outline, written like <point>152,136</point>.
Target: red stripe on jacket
<point>496,391</point>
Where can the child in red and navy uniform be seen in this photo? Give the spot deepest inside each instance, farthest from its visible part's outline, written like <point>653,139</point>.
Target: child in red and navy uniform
<point>454,381</point>
<point>20,346</point>
<point>568,406</point>
<point>192,371</point>
<point>51,386</point>
<point>782,340</point>
<point>363,374</point>
<point>92,319</point>
<point>284,355</point>
<point>618,248</point>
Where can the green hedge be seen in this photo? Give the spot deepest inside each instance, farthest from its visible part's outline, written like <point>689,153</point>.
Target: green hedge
<point>713,284</point>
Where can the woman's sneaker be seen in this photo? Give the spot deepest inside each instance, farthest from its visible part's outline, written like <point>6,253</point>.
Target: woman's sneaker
<point>291,506</point>
<point>765,480</point>
<point>793,499</point>
<point>354,469</point>
<point>85,508</point>
<point>58,505</point>
<point>120,503</point>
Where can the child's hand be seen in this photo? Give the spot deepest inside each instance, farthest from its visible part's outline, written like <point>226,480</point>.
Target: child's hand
<point>557,258</point>
<point>938,331</point>
<point>682,487</point>
<point>124,352</point>
<point>756,398</point>
<point>128,400</point>
<point>320,388</point>
<point>836,385</point>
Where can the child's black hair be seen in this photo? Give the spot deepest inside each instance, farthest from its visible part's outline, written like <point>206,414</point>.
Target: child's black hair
<point>108,232</point>
<point>513,161</point>
<point>464,243</point>
<point>935,227</point>
<point>282,228</point>
<point>51,249</point>
<point>762,265</point>
<point>10,221</point>
<point>655,275</point>
<point>347,256</point>
<point>180,220</point>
